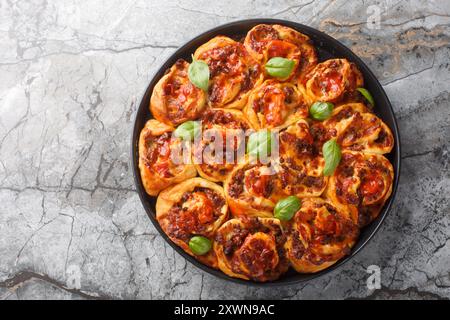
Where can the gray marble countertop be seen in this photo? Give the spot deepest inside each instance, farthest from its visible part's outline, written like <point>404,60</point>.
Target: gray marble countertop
<point>72,73</point>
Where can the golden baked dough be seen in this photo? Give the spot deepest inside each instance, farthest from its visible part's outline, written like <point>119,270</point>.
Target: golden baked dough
<point>319,236</point>
<point>224,124</point>
<point>356,129</point>
<point>253,189</point>
<point>301,167</point>
<point>233,72</point>
<point>156,158</point>
<point>175,99</point>
<point>333,80</point>
<point>267,41</point>
<point>251,248</point>
<point>193,207</point>
<point>360,185</point>
<point>275,104</point>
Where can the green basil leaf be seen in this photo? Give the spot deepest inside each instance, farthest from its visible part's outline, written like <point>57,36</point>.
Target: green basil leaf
<point>200,245</point>
<point>279,67</point>
<point>260,143</point>
<point>366,95</point>
<point>188,130</point>
<point>286,208</point>
<point>321,110</point>
<point>198,73</point>
<point>332,155</point>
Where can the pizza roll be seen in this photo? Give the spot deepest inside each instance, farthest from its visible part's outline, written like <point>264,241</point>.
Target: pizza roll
<point>195,207</point>
<point>274,104</point>
<point>163,159</point>
<point>219,127</point>
<point>251,248</point>
<point>360,185</point>
<point>267,41</point>
<point>356,129</point>
<point>319,235</point>
<point>175,99</point>
<point>253,189</point>
<point>233,72</point>
<point>333,80</point>
<point>301,167</point>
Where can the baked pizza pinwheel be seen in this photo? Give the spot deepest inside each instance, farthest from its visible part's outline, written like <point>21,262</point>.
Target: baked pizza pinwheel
<point>360,185</point>
<point>267,41</point>
<point>274,104</point>
<point>356,129</point>
<point>300,167</point>
<point>213,161</point>
<point>251,248</point>
<point>161,158</point>
<point>175,99</point>
<point>333,80</point>
<point>233,72</point>
<point>253,189</point>
<point>319,236</point>
<point>195,207</point>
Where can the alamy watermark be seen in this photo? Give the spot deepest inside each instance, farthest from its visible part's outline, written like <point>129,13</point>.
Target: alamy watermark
<point>374,280</point>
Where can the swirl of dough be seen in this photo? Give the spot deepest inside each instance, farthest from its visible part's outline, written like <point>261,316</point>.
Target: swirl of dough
<point>275,104</point>
<point>319,235</point>
<point>193,207</point>
<point>230,125</point>
<point>333,80</point>
<point>175,99</point>
<point>360,185</point>
<point>158,150</point>
<point>356,129</point>
<point>253,189</point>
<point>251,248</point>
<point>301,167</point>
<point>233,72</point>
<point>266,41</point>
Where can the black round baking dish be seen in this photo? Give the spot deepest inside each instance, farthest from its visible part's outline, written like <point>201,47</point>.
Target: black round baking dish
<point>327,47</point>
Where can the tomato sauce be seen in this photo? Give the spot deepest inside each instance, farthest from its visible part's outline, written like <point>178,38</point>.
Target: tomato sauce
<point>194,213</point>
<point>159,155</point>
<point>279,48</point>
<point>260,36</point>
<point>260,185</point>
<point>331,81</point>
<point>225,60</point>
<point>257,255</point>
<point>272,103</point>
<point>343,190</point>
<point>372,185</point>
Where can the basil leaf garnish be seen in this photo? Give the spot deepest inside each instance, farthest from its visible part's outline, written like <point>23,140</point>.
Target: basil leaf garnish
<point>260,143</point>
<point>279,67</point>
<point>321,110</point>
<point>200,245</point>
<point>188,130</point>
<point>366,95</point>
<point>198,73</point>
<point>286,208</point>
<point>332,155</point>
